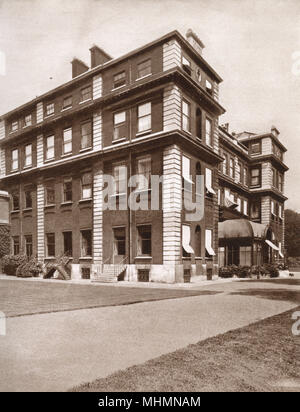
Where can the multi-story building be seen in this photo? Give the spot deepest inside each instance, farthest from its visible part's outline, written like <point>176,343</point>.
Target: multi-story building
<point>251,199</point>
<point>154,111</point>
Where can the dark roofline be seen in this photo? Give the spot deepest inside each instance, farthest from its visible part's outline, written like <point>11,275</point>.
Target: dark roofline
<point>98,69</point>
<point>239,145</point>
<point>269,134</point>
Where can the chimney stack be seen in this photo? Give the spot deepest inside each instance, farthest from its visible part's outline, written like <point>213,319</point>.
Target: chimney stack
<point>225,126</point>
<point>194,41</point>
<point>78,67</point>
<point>275,131</point>
<point>98,56</point>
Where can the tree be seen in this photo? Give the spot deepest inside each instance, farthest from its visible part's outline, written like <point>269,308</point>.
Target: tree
<point>292,232</point>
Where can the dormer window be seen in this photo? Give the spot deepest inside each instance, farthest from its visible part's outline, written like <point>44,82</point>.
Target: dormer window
<point>186,65</point>
<point>255,148</point>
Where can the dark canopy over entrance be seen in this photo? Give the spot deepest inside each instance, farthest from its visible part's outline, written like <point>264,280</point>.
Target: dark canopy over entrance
<point>243,242</point>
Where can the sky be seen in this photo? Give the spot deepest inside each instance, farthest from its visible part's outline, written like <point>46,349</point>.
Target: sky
<point>253,44</point>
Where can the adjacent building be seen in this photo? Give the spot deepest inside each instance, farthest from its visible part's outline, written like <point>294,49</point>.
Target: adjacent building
<point>154,111</point>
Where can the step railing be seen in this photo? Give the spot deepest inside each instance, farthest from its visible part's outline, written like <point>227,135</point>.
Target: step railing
<point>118,268</point>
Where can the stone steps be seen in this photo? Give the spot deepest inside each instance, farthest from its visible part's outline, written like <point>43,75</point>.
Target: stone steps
<point>109,275</point>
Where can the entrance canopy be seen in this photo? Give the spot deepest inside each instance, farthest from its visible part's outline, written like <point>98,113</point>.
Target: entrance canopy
<point>241,228</point>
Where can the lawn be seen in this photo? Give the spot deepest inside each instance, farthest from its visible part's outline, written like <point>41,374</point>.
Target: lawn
<point>21,297</point>
<point>264,356</point>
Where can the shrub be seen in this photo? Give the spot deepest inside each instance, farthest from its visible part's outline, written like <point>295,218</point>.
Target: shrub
<point>29,269</point>
<point>4,240</point>
<point>10,263</point>
<point>243,272</point>
<point>225,272</point>
<point>271,269</point>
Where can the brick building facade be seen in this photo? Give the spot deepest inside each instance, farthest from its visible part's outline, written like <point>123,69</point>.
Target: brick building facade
<point>154,111</point>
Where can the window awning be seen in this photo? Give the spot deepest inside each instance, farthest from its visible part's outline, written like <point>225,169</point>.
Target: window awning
<point>210,189</point>
<point>186,238</point>
<point>229,203</point>
<point>188,180</point>
<point>208,242</point>
<point>272,245</point>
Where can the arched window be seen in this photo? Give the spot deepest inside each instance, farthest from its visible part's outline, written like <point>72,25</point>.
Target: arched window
<point>199,123</point>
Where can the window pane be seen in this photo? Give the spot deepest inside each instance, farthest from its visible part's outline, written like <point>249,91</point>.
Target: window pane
<point>185,108</point>
<point>15,154</point>
<point>86,93</point>
<point>185,61</point>
<point>86,135</point>
<point>50,194</point>
<point>208,177</point>
<point>144,123</point>
<point>68,147</point>
<point>50,141</point>
<point>119,118</point>
<point>144,68</point>
<point>67,102</point>
<point>86,243</point>
<point>208,132</point>
<point>119,79</point>
<point>144,109</point>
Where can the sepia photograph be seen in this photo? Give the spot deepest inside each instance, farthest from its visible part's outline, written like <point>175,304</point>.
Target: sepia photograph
<point>149,199</point>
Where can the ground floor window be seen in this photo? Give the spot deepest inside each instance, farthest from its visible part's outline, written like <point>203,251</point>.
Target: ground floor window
<point>144,240</point>
<point>119,241</point>
<point>86,243</point>
<point>233,255</point>
<point>245,255</point>
<point>257,254</point>
<point>50,244</point>
<point>28,245</point>
<point>221,256</point>
<point>16,245</point>
<point>68,249</point>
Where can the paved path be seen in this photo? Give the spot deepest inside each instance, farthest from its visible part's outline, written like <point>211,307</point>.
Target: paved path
<point>55,351</point>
